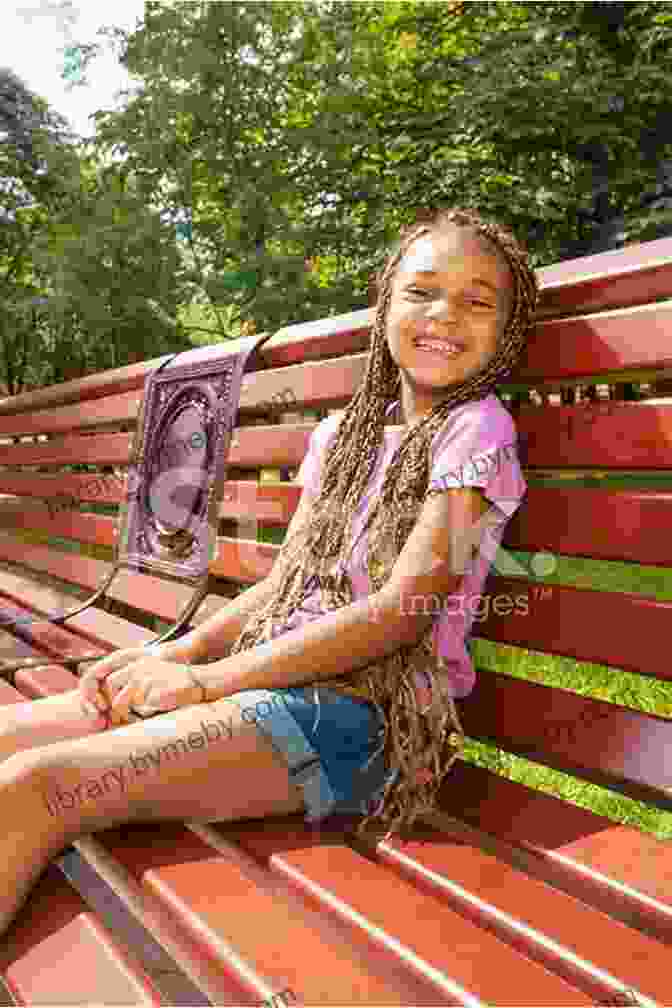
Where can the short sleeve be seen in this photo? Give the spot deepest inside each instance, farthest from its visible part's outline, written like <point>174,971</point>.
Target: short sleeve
<point>479,447</point>
<point>310,470</point>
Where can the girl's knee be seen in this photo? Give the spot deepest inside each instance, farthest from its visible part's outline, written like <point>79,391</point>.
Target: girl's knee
<point>74,797</point>
<point>23,766</point>
<point>25,783</point>
<point>31,771</point>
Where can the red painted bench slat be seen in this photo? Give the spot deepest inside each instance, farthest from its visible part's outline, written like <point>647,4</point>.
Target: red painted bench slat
<point>597,344</point>
<point>44,681</point>
<point>398,918</point>
<point>138,589</point>
<point>620,869</point>
<point>86,572</point>
<point>600,741</point>
<point>603,435</point>
<point>558,520</point>
<point>580,623</point>
<point>12,647</point>
<point>604,345</point>
<point>67,523</point>
<point>443,861</point>
<point>58,953</point>
<point>94,624</point>
<point>126,379</point>
<point>111,409</point>
<point>571,522</point>
<point>267,941</point>
<point>562,437</point>
<point>52,639</point>
<point>611,435</point>
<point>101,449</point>
<point>105,489</point>
<point>632,275</point>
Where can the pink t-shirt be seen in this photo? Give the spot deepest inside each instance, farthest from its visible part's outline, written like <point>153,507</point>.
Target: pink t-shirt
<point>476,447</point>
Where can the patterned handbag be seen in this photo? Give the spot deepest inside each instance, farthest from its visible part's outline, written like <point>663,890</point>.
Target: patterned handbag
<point>168,521</point>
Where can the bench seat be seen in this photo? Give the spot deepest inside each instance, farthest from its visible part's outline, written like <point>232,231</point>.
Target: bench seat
<point>509,894</point>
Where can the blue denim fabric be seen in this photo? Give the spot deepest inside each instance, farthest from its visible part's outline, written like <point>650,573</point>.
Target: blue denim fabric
<point>331,742</point>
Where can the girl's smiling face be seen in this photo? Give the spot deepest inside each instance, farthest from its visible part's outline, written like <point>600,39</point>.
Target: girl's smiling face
<point>452,288</point>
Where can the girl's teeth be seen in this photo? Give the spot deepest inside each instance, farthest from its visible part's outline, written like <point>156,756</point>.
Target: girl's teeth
<point>444,348</point>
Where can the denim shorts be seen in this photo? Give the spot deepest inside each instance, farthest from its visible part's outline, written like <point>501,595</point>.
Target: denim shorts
<point>332,744</point>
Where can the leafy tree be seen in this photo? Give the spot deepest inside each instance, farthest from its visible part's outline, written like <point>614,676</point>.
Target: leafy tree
<point>638,40</point>
<point>32,139</point>
<point>543,114</point>
<point>269,152</point>
<point>216,140</point>
<point>87,270</point>
<point>275,134</point>
<point>112,269</point>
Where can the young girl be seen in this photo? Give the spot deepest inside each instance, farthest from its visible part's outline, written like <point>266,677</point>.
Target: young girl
<point>328,686</point>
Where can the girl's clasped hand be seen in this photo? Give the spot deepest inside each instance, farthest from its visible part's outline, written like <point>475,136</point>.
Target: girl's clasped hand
<point>135,683</point>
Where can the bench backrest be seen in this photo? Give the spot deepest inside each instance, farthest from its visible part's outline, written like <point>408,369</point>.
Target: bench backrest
<point>604,330</point>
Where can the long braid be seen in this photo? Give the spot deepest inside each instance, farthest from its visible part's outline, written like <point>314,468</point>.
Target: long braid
<point>418,744</point>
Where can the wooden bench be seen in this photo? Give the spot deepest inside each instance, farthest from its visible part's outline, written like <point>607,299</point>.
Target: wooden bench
<point>512,895</point>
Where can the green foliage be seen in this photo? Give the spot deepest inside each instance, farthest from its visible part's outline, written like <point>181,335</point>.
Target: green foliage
<point>219,136</point>
<point>113,265</point>
<point>203,324</point>
<point>87,269</point>
<point>520,109</point>
<point>34,140</point>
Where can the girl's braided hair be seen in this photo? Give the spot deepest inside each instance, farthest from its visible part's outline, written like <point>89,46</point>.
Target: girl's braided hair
<point>418,744</point>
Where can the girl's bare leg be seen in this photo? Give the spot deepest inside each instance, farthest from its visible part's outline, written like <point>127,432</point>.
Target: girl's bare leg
<point>203,762</point>
<point>30,723</point>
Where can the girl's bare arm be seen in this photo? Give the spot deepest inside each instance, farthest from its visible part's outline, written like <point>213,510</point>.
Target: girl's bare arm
<point>429,568</point>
